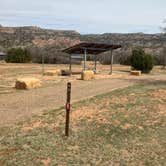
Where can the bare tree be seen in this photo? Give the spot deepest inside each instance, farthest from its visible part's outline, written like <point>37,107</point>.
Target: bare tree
<point>163,28</point>
<point>164,56</point>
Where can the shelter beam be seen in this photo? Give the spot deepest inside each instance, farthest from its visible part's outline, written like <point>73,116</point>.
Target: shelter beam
<point>95,49</point>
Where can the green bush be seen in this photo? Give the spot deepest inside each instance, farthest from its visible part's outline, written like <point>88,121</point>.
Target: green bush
<point>18,55</point>
<point>142,61</point>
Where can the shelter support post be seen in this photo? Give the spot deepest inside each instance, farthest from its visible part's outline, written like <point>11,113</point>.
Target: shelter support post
<point>112,58</point>
<point>95,64</point>
<point>85,55</point>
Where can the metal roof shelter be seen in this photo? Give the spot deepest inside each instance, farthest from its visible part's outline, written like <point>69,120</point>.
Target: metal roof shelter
<point>91,48</point>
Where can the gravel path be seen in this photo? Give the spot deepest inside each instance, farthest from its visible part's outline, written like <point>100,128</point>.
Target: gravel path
<point>17,106</point>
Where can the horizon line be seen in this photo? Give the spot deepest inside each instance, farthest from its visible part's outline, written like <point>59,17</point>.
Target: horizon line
<point>74,30</point>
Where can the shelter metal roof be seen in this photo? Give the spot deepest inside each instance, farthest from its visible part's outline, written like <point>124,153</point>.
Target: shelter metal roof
<point>91,48</point>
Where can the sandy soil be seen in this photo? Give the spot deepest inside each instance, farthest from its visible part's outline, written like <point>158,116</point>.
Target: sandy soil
<point>19,105</point>
<point>24,104</point>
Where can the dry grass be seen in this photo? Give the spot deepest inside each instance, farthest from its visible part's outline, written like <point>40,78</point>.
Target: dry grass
<point>124,127</point>
<point>10,72</point>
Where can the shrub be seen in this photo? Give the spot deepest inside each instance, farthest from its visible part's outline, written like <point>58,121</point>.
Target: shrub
<point>142,61</point>
<point>18,55</point>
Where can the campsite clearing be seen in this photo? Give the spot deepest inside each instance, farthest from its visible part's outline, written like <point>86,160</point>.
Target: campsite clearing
<point>18,105</point>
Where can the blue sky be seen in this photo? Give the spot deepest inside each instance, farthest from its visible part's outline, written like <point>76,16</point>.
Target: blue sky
<point>86,16</point>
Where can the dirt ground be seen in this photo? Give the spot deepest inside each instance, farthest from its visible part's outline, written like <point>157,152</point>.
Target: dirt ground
<point>16,105</point>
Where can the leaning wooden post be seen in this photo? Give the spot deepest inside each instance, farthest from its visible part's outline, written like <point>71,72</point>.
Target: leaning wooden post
<point>111,62</point>
<point>68,109</point>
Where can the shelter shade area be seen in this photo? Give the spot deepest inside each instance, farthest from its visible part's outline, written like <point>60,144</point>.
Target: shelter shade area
<point>90,48</point>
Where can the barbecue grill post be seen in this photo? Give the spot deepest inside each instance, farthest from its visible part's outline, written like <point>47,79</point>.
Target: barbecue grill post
<point>85,54</point>
<point>111,61</point>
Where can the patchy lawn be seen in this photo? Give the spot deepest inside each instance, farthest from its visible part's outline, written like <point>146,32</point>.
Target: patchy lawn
<point>124,127</point>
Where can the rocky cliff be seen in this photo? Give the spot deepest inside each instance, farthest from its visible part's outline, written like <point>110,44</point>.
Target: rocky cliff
<point>35,36</point>
<point>51,41</point>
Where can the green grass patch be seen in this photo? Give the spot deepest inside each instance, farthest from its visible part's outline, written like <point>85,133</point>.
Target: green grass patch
<point>124,127</point>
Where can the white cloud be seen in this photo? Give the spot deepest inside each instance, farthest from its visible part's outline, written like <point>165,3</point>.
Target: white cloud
<point>85,15</point>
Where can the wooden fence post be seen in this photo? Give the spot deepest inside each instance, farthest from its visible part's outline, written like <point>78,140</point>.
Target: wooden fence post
<point>68,106</point>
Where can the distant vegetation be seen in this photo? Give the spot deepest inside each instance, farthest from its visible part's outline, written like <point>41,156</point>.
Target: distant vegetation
<point>18,55</point>
<point>164,57</point>
<point>50,43</point>
<point>142,61</point>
